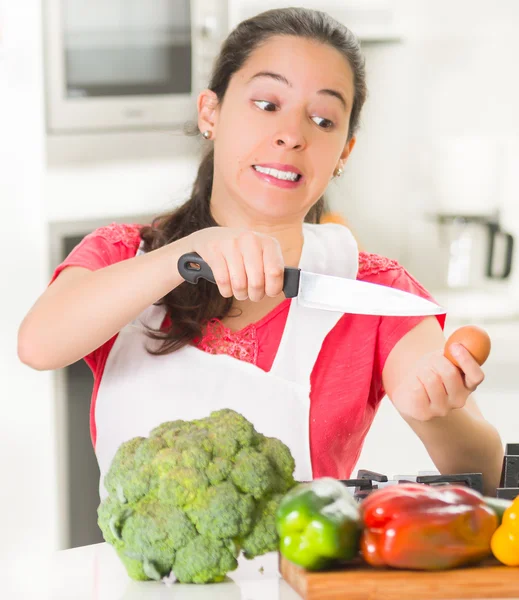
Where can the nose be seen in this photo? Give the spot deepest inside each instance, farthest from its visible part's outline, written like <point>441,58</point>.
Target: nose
<point>291,136</point>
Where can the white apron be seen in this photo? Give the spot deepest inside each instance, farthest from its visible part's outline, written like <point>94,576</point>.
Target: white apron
<point>139,391</point>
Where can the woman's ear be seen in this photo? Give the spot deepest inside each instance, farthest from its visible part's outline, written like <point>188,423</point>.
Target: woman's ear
<point>346,153</point>
<point>207,114</point>
<point>347,149</point>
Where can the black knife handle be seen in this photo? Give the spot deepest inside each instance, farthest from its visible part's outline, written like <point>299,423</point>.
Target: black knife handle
<point>291,282</point>
<point>193,267</point>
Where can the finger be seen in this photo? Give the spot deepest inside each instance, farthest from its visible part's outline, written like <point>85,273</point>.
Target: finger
<point>452,380</point>
<point>473,374</point>
<point>417,403</point>
<point>274,267</point>
<point>220,271</point>
<point>252,253</point>
<point>237,272</point>
<point>436,392</point>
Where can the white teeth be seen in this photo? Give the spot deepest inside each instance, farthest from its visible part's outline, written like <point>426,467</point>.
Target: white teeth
<point>286,175</point>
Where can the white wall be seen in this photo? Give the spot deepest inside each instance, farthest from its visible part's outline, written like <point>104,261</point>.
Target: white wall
<point>28,499</point>
<point>452,75</point>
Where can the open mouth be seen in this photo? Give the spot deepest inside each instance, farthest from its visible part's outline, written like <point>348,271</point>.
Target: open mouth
<point>283,176</point>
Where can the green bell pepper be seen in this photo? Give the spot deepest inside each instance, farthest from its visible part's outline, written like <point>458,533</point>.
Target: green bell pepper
<point>318,524</point>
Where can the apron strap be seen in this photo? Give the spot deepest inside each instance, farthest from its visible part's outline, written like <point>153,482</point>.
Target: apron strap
<point>304,334</point>
<point>328,249</point>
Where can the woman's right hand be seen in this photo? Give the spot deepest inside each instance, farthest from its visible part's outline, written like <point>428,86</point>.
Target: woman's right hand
<point>245,264</point>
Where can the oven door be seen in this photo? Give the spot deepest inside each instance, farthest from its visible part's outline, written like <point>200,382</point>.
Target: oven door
<point>128,64</point>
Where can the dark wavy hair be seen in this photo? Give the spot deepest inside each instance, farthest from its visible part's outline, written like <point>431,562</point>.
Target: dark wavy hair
<point>192,306</point>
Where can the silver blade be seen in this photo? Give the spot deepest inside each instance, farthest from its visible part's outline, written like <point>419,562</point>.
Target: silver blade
<point>360,297</point>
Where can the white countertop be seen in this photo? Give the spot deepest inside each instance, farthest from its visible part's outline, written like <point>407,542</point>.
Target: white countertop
<point>95,573</point>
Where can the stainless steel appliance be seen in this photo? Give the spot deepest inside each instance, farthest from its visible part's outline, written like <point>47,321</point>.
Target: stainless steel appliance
<point>128,64</point>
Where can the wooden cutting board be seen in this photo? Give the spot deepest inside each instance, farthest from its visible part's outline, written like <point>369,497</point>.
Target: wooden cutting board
<point>489,579</point>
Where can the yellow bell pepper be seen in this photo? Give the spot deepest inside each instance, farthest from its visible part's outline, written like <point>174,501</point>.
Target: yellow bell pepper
<point>505,541</point>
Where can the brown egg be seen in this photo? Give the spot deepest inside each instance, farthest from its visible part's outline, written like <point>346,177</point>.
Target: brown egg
<point>475,340</point>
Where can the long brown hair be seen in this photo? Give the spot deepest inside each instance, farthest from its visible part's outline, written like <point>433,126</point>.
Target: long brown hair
<point>192,306</point>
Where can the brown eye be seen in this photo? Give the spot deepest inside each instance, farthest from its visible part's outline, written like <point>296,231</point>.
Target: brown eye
<point>323,123</point>
<point>265,105</point>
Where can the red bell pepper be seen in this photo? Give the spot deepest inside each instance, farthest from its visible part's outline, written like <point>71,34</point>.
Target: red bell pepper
<point>416,526</point>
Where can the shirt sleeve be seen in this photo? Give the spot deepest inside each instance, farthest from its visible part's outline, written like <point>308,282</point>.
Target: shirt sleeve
<point>392,329</point>
<point>103,247</point>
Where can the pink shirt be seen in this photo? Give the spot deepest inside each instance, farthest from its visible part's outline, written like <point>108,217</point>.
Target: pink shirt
<point>346,382</point>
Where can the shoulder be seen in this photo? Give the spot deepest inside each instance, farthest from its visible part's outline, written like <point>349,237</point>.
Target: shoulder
<point>103,247</point>
<point>372,265</point>
<point>127,234</point>
<point>387,271</point>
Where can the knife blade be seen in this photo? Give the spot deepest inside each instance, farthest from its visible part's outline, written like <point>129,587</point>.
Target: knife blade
<point>327,292</point>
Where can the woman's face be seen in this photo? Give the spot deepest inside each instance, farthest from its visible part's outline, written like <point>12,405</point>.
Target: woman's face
<point>285,113</point>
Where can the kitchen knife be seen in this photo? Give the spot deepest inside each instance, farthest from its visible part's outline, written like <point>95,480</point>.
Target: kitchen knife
<point>327,292</point>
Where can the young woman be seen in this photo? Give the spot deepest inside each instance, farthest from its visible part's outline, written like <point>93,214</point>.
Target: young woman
<point>280,116</point>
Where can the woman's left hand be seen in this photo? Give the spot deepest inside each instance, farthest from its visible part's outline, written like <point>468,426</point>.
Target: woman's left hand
<point>435,386</point>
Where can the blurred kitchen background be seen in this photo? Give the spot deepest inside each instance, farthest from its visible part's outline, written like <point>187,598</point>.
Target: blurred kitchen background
<point>94,97</point>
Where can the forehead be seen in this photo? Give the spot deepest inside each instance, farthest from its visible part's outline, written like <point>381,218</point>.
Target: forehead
<point>307,64</point>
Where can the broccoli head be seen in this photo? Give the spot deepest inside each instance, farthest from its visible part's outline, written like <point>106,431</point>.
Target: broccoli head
<point>190,497</point>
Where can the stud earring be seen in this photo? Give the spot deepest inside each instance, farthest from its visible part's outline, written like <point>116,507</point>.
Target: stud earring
<point>338,172</point>
<point>207,134</point>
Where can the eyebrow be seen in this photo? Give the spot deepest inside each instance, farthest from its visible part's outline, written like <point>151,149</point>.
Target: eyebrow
<point>283,79</point>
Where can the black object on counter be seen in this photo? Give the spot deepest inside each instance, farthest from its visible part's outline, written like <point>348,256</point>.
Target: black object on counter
<point>509,484</point>
<point>368,481</point>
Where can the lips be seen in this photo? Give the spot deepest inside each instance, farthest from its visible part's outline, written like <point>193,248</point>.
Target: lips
<point>271,179</point>
<point>280,167</point>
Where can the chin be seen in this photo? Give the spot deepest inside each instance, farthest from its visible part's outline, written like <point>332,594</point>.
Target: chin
<point>277,209</point>
<point>274,203</point>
